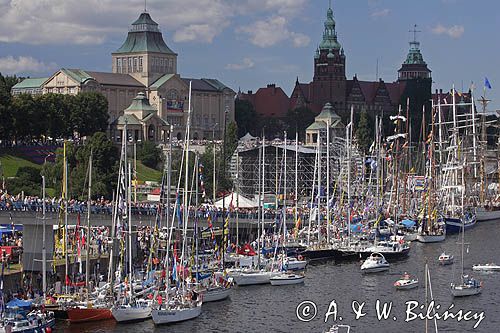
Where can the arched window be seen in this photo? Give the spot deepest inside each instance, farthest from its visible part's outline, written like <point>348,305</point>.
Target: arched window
<point>151,133</point>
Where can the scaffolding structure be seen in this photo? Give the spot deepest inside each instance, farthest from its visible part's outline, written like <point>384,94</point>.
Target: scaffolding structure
<point>245,167</point>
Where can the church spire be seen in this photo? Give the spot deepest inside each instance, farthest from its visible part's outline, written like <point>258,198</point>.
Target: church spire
<point>414,66</point>
<point>329,35</point>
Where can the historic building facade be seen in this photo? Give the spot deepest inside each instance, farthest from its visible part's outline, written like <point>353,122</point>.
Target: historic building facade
<point>330,84</point>
<point>144,63</point>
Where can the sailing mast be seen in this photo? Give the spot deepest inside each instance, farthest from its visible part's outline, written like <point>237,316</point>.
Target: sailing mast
<point>296,179</point>
<point>186,184</point>
<point>87,250</point>
<point>65,200</point>
<point>44,249</point>
<point>284,195</point>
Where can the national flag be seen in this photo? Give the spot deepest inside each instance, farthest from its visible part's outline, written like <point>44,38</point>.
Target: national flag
<point>487,83</point>
<point>178,209</point>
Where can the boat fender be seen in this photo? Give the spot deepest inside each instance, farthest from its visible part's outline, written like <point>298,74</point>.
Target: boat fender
<point>300,257</point>
<point>48,329</point>
<point>481,284</point>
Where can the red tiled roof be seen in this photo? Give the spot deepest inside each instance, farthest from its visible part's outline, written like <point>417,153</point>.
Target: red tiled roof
<point>270,102</point>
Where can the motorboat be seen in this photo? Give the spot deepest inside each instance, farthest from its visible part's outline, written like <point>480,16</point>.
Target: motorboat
<point>295,264</point>
<point>406,282</point>
<point>375,263</point>
<point>287,279</point>
<point>446,259</point>
<point>486,267</point>
<point>468,287</point>
<point>35,321</point>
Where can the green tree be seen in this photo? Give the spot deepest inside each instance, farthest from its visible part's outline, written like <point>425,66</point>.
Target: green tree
<point>29,120</point>
<point>364,132</point>
<point>150,155</point>
<point>56,108</point>
<point>89,114</point>
<point>299,119</point>
<point>246,117</point>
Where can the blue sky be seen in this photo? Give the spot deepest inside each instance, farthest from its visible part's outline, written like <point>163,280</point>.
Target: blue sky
<point>250,43</point>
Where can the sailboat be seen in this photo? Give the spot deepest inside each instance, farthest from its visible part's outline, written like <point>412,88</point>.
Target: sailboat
<point>254,276</point>
<point>128,308</point>
<point>467,286</point>
<point>432,227</point>
<point>182,303</point>
<point>89,310</point>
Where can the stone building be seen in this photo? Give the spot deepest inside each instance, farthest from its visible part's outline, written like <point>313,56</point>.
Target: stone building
<point>144,63</point>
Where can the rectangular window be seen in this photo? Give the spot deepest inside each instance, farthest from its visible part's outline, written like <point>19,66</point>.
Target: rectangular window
<point>140,64</point>
<point>129,69</point>
<point>135,64</point>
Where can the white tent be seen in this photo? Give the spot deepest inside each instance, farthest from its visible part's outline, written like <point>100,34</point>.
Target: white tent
<point>242,201</point>
<point>248,137</point>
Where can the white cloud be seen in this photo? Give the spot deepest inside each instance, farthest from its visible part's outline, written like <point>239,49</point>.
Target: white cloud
<point>380,13</point>
<point>265,33</point>
<point>246,64</point>
<point>96,21</point>
<point>11,65</point>
<point>455,31</point>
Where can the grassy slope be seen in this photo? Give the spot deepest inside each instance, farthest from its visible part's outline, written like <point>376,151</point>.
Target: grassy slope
<point>10,164</point>
<point>145,173</point>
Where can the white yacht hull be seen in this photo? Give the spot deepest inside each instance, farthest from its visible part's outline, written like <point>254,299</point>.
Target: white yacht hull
<point>133,313</point>
<point>487,215</point>
<point>217,294</point>
<point>296,265</point>
<point>375,269</point>
<point>431,238</point>
<point>406,285</point>
<point>286,280</point>
<point>247,279</point>
<point>175,315</point>
<point>486,268</point>
<point>461,292</point>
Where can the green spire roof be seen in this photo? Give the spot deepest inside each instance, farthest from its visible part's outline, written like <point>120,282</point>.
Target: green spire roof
<point>328,114</point>
<point>414,56</point>
<point>141,103</point>
<point>144,36</point>
<point>329,35</point>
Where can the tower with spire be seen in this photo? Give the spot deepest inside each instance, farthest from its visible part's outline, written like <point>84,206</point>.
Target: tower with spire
<point>414,67</point>
<point>416,78</point>
<point>144,54</point>
<point>329,81</point>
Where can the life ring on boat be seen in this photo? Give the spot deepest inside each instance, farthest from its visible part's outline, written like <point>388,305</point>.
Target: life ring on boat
<point>300,257</point>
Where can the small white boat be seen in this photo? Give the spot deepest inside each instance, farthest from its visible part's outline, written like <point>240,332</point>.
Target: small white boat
<point>468,287</point>
<point>486,267</point>
<point>174,314</point>
<point>130,313</point>
<point>286,279</point>
<point>247,278</point>
<point>446,259</point>
<point>375,263</point>
<point>406,282</point>
<point>294,264</point>
<point>215,294</point>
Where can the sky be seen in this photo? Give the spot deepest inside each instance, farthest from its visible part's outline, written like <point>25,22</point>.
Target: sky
<point>248,44</point>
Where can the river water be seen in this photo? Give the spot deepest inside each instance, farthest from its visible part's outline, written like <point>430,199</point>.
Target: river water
<point>273,309</point>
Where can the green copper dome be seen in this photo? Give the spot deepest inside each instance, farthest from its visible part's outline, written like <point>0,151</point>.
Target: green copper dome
<point>414,56</point>
<point>144,36</point>
<point>329,35</point>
